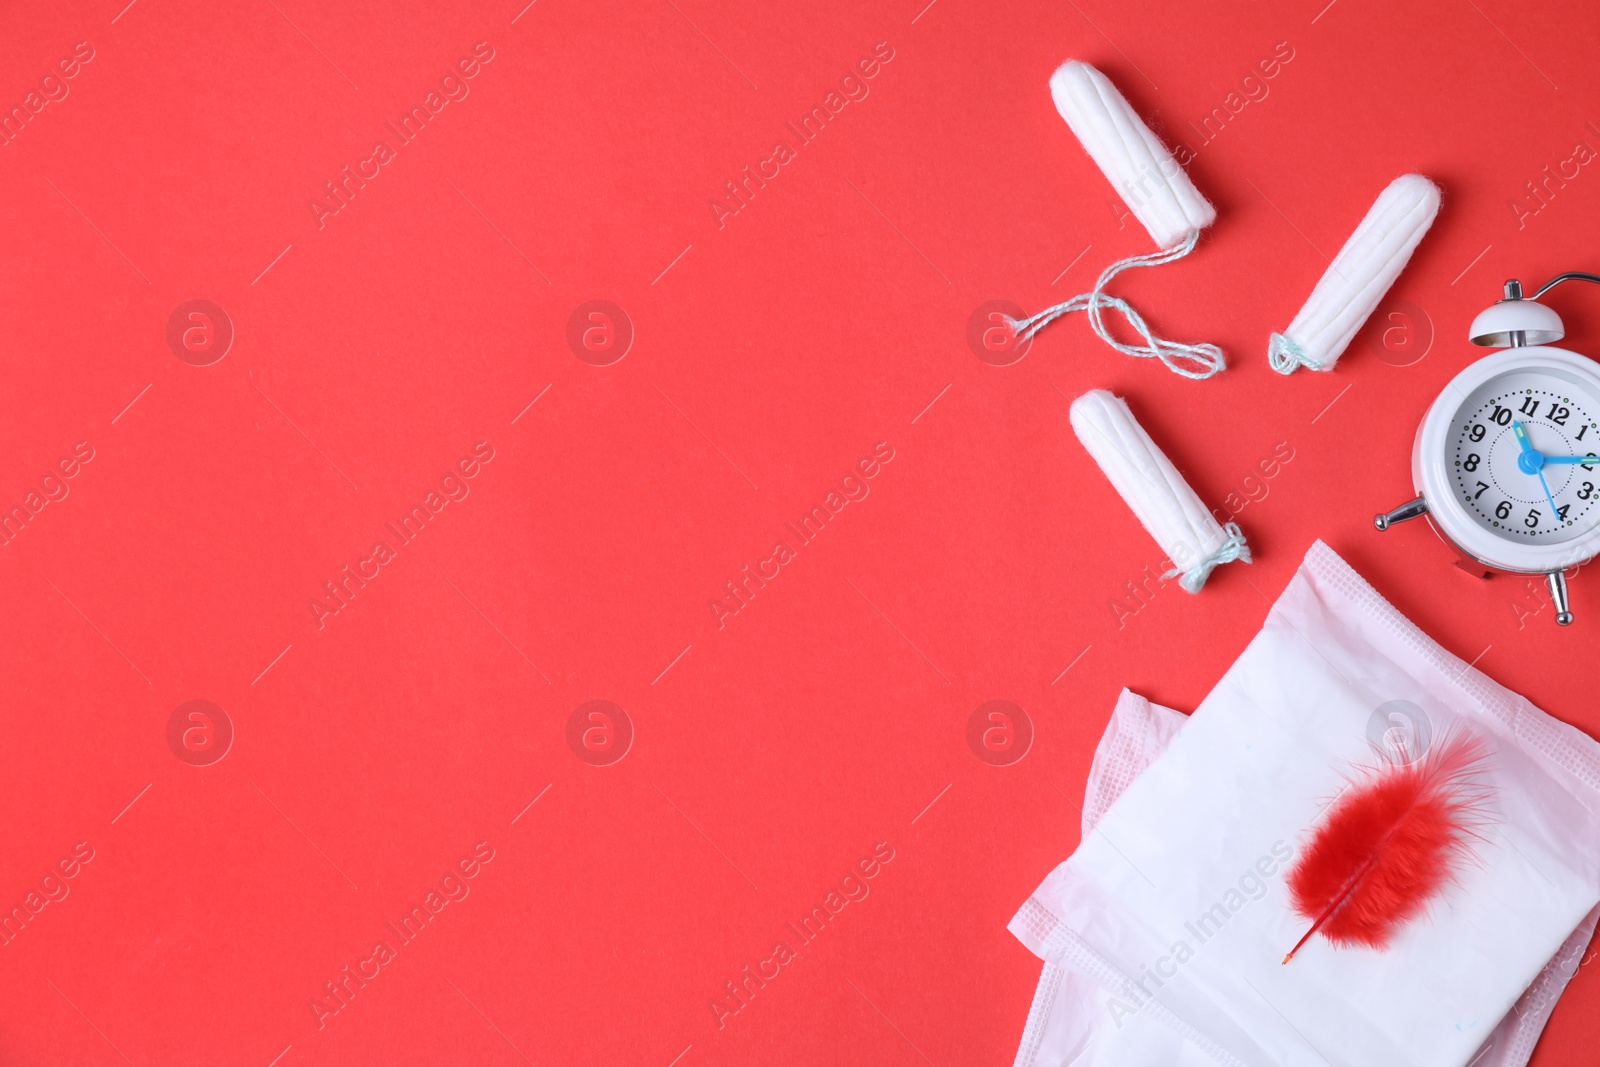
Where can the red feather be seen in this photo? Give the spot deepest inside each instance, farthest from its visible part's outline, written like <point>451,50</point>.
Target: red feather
<point>1390,843</point>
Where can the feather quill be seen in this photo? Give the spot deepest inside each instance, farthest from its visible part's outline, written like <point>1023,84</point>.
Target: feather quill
<point>1390,844</point>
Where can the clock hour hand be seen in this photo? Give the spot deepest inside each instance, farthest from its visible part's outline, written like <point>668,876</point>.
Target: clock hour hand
<point>1531,462</point>
<point>1528,450</point>
<point>1522,437</point>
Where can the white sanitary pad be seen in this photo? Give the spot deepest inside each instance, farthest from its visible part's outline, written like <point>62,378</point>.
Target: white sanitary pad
<point>1163,934</point>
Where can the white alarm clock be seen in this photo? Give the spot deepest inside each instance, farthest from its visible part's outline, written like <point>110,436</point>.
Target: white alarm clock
<point>1507,460</point>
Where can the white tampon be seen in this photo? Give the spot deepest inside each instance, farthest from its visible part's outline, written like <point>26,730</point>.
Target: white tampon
<point>1358,277</point>
<point>1191,537</point>
<point>1134,160</point>
<point>1159,194</point>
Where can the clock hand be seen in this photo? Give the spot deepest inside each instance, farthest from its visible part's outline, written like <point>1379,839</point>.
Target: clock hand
<point>1527,448</point>
<point>1522,436</point>
<point>1547,495</point>
<point>1534,465</point>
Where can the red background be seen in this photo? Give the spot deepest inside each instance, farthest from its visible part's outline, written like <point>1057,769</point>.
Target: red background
<point>770,355</point>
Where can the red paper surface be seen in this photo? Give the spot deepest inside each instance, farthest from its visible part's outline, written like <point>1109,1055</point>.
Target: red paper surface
<point>770,351</point>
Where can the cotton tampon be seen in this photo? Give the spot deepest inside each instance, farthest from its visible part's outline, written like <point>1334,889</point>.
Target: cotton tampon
<point>1133,159</point>
<point>1159,194</point>
<point>1187,532</point>
<point>1358,277</point>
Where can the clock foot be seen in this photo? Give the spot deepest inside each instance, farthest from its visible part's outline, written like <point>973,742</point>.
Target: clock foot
<point>1558,597</point>
<point>1409,510</point>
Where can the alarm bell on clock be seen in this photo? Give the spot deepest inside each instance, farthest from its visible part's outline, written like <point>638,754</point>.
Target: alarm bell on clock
<point>1506,462</point>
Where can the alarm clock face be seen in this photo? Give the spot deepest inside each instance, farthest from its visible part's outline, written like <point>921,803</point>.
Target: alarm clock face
<point>1508,459</point>
<point>1502,427</point>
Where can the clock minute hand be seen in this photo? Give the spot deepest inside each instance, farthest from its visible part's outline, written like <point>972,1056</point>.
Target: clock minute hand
<point>1555,511</point>
<point>1590,460</point>
<point>1535,465</point>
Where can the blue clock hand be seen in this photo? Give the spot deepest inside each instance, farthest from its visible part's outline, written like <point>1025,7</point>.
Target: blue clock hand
<point>1531,462</point>
<point>1527,449</point>
<point>1553,509</point>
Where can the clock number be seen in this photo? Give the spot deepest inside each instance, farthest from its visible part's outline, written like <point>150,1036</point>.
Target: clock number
<point>1588,461</point>
<point>1502,509</point>
<point>1530,406</point>
<point>1533,518</point>
<point>1558,414</point>
<point>1477,431</point>
<point>1583,430</point>
<point>1561,512</point>
<point>1481,487</point>
<point>1471,463</point>
<point>1500,416</point>
<point>1587,491</point>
